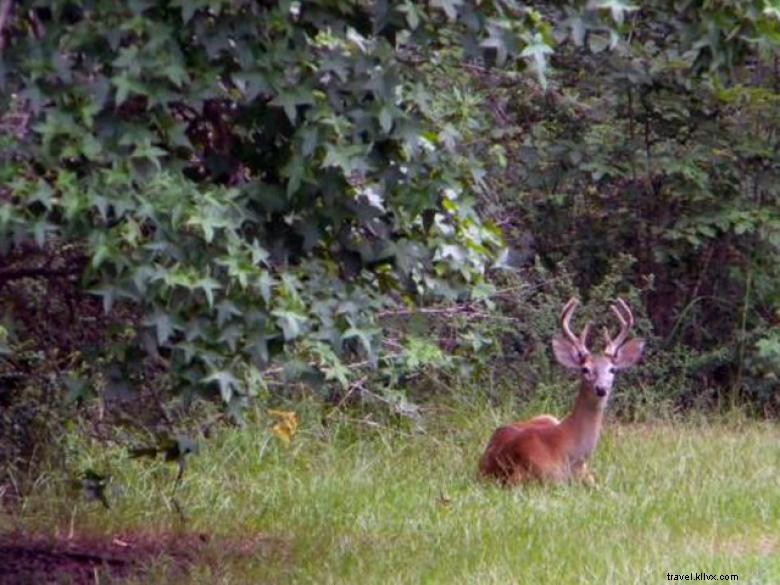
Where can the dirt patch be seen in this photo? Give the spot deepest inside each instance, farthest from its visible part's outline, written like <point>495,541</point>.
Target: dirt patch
<point>764,546</point>
<point>26,559</point>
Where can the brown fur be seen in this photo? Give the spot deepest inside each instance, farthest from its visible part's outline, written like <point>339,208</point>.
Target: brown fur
<point>543,448</point>
<point>546,449</point>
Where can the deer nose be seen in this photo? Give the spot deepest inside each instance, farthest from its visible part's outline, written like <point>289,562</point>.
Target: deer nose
<point>601,392</point>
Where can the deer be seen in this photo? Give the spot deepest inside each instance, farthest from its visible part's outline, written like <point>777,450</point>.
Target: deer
<point>549,450</point>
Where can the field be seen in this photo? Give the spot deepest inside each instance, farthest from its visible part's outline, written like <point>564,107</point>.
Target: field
<point>358,502</point>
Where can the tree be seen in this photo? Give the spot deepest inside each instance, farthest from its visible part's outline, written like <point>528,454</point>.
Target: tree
<point>236,179</point>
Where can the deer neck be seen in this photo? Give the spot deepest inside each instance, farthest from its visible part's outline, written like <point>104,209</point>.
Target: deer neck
<point>582,427</point>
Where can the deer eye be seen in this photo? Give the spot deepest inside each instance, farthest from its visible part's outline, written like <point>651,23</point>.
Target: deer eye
<point>585,370</point>
<point>612,370</point>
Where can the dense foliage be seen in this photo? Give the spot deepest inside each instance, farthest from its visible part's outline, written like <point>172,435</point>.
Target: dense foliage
<point>238,176</point>
<point>653,164</point>
<point>220,198</point>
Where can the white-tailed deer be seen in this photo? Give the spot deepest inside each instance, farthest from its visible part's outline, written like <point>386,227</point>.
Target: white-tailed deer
<point>546,449</point>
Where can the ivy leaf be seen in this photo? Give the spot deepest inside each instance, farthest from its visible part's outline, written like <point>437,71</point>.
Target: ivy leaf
<point>617,8</point>
<point>350,159</point>
<point>386,119</point>
<point>126,85</point>
<point>226,381</point>
<point>259,254</point>
<point>578,29</point>
<point>265,283</point>
<point>448,6</point>
<point>413,13</point>
<point>496,41</point>
<point>536,51</point>
<point>226,309</point>
<point>43,194</point>
<point>363,336</point>
<point>208,222</point>
<point>147,151</point>
<point>41,230</point>
<point>163,326</point>
<point>175,72</point>
<point>251,83</point>
<point>231,335</point>
<point>208,285</point>
<point>108,293</point>
<point>291,323</point>
<point>290,99</point>
<point>772,9</point>
<point>337,371</point>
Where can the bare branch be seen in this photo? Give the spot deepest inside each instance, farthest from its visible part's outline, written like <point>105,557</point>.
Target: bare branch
<point>9,275</point>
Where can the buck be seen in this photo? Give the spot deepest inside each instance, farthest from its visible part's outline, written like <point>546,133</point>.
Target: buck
<point>546,449</point>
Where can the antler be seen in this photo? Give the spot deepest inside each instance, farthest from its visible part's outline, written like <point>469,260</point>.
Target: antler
<point>626,319</point>
<point>580,343</point>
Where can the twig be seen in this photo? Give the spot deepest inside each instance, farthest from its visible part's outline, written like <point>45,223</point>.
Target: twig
<point>465,310</point>
<point>458,309</point>
<point>353,366</point>
<point>376,425</point>
<point>352,387</point>
<point>742,339</point>
<point>476,68</point>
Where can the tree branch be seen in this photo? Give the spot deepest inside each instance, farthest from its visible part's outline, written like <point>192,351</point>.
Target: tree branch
<point>41,272</point>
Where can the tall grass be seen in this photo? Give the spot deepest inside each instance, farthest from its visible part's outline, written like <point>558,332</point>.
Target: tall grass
<point>356,503</point>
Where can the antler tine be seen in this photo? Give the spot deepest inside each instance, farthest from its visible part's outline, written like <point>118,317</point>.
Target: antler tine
<point>566,314</point>
<point>584,334</point>
<point>626,319</point>
<point>578,342</point>
<point>629,316</point>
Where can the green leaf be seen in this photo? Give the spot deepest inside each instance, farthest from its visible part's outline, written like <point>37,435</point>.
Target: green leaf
<point>349,158</point>
<point>163,326</point>
<point>364,337</point>
<point>386,119</point>
<point>42,194</point>
<point>290,322</point>
<point>290,99</point>
<point>617,8</point>
<point>208,285</point>
<point>413,13</point>
<point>265,283</point>
<point>126,85</point>
<point>448,6</point>
<point>536,51</point>
<point>41,230</point>
<point>225,311</point>
<point>227,382</point>
<point>146,151</point>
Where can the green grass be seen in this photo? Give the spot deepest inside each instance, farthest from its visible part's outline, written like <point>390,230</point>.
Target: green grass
<point>355,504</point>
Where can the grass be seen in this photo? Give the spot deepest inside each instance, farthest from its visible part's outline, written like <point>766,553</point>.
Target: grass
<point>351,503</point>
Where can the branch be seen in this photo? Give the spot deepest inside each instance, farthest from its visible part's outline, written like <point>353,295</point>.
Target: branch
<point>466,310</point>
<point>8,275</point>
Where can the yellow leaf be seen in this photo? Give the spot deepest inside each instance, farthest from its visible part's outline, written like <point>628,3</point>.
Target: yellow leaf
<point>286,425</point>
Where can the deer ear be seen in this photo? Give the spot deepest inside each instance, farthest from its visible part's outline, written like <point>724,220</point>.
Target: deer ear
<point>566,354</point>
<point>629,353</point>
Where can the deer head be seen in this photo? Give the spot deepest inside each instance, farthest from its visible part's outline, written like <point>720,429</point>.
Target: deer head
<point>597,372</point>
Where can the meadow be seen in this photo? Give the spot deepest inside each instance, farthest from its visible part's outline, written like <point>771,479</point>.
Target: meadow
<point>356,501</point>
